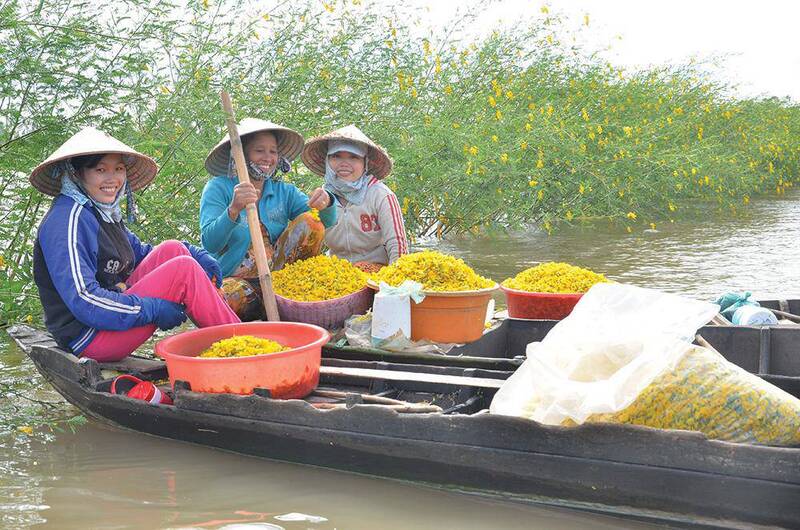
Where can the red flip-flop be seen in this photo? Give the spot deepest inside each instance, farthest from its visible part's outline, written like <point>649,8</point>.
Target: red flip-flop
<point>135,388</point>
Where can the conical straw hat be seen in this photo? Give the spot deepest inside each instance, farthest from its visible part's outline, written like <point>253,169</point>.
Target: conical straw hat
<point>316,150</point>
<point>141,169</point>
<point>290,143</point>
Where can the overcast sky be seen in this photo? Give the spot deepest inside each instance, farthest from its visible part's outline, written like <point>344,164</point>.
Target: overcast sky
<point>761,40</point>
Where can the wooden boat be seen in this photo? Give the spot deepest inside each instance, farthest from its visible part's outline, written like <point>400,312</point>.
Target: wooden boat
<point>677,477</point>
<point>787,306</point>
<point>773,352</point>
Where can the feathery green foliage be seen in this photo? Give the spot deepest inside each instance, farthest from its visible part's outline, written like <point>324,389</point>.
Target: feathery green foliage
<point>503,130</point>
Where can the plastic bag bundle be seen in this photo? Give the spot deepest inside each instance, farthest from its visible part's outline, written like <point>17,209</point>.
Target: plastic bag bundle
<point>709,394</point>
<point>244,298</point>
<point>624,355</point>
<point>302,239</point>
<point>729,302</point>
<point>357,331</point>
<point>739,309</point>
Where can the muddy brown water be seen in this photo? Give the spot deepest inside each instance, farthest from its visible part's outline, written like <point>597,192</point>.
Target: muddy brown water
<point>101,477</point>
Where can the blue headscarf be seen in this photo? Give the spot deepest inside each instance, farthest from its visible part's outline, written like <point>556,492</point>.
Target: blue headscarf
<point>71,187</point>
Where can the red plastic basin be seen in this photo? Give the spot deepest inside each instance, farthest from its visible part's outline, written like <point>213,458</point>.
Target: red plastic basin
<point>290,374</point>
<point>545,306</point>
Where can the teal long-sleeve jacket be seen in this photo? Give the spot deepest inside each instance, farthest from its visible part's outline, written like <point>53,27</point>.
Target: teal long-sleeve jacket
<point>228,240</point>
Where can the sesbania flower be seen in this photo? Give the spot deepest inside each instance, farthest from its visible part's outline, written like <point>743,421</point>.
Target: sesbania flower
<point>318,278</point>
<point>243,346</point>
<point>435,271</point>
<point>708,394</point>
<point>554,278</point>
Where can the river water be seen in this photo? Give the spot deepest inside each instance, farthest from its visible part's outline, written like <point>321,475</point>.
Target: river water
<point>701,256</point>
<point>99,477</point>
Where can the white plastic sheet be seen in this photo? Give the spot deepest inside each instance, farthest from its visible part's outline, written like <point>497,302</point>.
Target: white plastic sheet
<point>615,342</point>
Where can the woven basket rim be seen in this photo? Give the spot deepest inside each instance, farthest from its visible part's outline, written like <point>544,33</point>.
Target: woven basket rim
<point>320,302</point>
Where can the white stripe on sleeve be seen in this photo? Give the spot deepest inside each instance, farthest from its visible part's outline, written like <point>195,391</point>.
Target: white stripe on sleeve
<point>77,277</point>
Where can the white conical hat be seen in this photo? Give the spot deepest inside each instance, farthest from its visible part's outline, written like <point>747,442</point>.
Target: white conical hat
<point>316,150</point>
<point>290,143</point>
<point>141,169</point>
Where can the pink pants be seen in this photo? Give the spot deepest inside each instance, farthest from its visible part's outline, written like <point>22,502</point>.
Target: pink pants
<point>168,272</point>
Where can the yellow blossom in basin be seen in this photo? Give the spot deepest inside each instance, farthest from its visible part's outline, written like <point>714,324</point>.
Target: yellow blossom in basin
<point>435,271</point>
<point>554,277</point>
<point>243,346</point>
<point>318,278</point>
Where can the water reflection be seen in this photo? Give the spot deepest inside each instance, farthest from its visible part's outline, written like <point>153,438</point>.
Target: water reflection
<point>108,478</point>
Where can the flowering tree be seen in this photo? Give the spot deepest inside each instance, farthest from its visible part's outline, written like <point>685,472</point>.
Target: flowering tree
<point>507,130</point>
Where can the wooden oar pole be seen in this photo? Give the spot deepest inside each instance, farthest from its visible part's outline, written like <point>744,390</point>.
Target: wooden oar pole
<point>264,276</point>
<point>788,316</point>
<point>704,343</point>
<point>720,320</point>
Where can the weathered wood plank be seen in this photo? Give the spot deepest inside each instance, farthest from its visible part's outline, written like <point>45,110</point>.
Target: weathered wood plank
<point>417,377</point>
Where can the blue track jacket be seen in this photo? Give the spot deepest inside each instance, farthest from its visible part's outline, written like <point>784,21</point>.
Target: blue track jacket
<point>78,262</point>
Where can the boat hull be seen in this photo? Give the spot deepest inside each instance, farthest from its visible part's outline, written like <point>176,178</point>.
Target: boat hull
<point>673,476</point>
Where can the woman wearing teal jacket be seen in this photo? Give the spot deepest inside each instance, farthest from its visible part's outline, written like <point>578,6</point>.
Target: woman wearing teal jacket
<point>289,223</point>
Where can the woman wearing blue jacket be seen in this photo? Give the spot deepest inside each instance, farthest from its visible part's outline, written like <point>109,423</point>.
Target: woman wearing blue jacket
<point>288,224</point>
<point>104,291</point>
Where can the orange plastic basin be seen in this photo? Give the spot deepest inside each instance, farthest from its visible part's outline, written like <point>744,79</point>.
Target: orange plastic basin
<point>453,316</point>
<point>547,306</point>
<point>290,374</point>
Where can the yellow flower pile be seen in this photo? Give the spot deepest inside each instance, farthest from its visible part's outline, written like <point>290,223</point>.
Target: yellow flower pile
<point>554,278</point>
<point>708,394</point>
<point>318,278</point>
<point>243,346</point>
<point>435,271</point>
<point>314,214</point>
